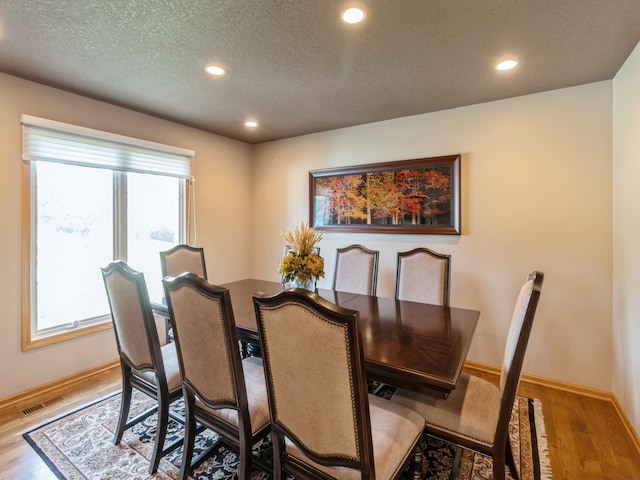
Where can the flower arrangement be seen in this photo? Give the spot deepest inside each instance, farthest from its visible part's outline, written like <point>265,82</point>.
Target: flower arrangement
<point>301,263</point>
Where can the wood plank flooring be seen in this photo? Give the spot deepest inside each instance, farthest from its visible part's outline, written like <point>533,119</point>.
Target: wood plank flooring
<point>18,460</point>
<point>586,438</point>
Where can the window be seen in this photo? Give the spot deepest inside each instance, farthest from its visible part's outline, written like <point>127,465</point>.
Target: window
<point>92,197</point>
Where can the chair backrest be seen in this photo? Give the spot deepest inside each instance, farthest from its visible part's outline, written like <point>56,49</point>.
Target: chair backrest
<point>132,316</point>
<point>423,275</point>
<point>325,377</point>
<point>183,258</point>
<point>516,346</point>
<point>356,270</point>
<point>206,340</point>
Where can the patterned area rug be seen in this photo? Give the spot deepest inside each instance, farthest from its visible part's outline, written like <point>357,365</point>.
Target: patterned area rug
<point>79,446</point>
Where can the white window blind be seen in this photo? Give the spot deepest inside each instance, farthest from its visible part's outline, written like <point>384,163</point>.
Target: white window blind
<point>51,141</point>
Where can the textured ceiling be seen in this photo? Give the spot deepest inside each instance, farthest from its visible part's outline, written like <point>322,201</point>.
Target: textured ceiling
<point>296,69</point>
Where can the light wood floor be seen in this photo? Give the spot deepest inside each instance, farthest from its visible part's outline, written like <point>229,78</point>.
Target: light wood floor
<point>586,438</point>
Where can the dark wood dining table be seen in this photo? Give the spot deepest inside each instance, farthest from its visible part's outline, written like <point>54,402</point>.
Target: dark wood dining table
<point>417,346</point>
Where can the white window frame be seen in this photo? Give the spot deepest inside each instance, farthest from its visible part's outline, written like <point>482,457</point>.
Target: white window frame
<point>50,141</point>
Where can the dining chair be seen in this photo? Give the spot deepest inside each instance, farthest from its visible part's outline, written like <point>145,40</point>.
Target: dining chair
<point>476,414</point>
<point>222,391</point>
<point>424,276</point>
<point>183,258</point>
<point>145,365</point>
<point>356,270</point>
<point>179,259</point>
<point>323,422</point>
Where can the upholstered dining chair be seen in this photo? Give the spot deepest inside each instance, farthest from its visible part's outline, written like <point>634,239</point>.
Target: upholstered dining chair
<point>183,258</point>
<point>323,422</point>
<point>179,259</point>
<point>356,270</point>
<point>476,414</point>
<point>145,365</point>
<point>423,275</point>
<point>222,391</point>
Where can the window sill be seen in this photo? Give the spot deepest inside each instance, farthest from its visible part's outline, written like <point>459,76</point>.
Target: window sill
<point>29,343</point>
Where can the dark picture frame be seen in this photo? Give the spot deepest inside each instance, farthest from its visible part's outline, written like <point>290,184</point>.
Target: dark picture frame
<point>407,196</point>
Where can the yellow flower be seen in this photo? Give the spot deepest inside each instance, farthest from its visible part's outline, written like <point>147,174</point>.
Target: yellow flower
<point>300,262</point>
<point>302,267</point>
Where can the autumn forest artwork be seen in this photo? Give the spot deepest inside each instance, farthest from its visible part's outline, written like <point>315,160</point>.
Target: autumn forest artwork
<point>411,196</point>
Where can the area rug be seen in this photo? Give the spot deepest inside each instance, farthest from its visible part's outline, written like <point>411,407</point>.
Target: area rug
<point>79,445</point>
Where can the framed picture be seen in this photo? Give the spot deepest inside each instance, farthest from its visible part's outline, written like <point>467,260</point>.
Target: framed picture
<point>408,196</point>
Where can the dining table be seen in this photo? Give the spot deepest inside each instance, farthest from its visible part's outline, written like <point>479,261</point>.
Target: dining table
<point>417,346</point>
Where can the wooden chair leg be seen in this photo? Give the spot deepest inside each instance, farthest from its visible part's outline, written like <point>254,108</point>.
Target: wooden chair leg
<point>189,440</point>
<point>456,463</point>
<point>161,433</point>
<point>498,469</point>
<point>244,465</point>
<point>125,404</point>
<point>278,449</point>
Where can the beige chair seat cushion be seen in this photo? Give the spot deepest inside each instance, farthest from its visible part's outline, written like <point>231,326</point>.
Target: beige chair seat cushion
<point>471,411</point>
<point>171,368</point>
<point>256,397</point>
<point>394,430</point>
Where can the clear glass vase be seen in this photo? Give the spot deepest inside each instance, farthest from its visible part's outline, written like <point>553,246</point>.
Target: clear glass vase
<point>307,285</point>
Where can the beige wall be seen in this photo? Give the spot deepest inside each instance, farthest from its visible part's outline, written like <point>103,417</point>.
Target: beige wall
<point>222,170</point>
<point>536,194</point>
<point>626,237</point>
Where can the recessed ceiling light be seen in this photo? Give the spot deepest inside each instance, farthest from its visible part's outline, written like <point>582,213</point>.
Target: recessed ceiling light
<point>251,124</point>
<point>215,70</point>
<point>507,65</point>
<point>352,15</point>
